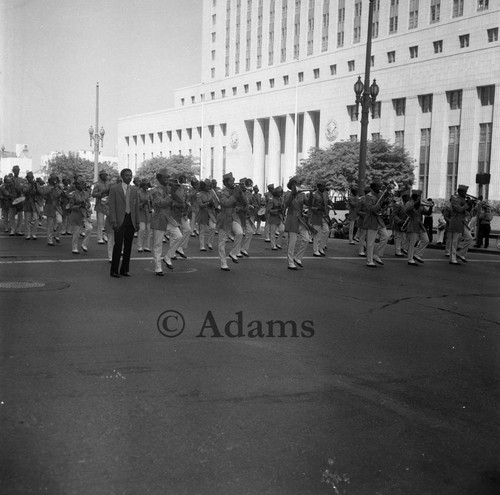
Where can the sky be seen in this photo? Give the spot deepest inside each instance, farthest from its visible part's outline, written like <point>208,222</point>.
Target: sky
<point>53,52</point>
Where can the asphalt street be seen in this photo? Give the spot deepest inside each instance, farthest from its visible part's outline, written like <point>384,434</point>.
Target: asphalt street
<point>332,379</point>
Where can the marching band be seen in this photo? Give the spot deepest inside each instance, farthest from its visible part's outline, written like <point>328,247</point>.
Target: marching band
<point>173,211</point>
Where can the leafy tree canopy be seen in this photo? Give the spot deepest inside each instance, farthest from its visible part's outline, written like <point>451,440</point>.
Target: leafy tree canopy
<point>71,165</point>
<point>339,165</point>
<point>176,165</point>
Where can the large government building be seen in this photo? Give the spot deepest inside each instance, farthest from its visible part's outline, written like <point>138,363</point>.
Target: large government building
<point>277,78</point>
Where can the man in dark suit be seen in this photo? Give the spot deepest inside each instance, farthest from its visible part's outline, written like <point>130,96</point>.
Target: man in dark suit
<point>123,217</point>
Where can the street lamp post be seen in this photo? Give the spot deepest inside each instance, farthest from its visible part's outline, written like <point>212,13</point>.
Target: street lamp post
<point>97,137</point>
<point>366,95</point>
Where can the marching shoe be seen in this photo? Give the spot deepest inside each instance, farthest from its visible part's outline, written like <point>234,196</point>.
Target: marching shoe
<point>50,244</point>
<point>234,258</point>
<point>454,263</point>
<point>125,274</point>
<point>400,255</point>
<point>181,254</point>
<point>203,249</point>
<point>168,263</point>
<point>75,252</point>
<point>139,250</point>
<point>34,238</point>
<point>147,250</point>
<point>461,258</point>
<point>299,263</point>
<point>378,260</point>
<point>58,240</point>
<point>318,255</point>
<point>244,253</point>
<point>274,248</point>
<point>418,258</point>
<point>209,246</point>
<point>279,247</point>
<point>322,253</point>
<point>225,268</point>
<point>412,263</point>
<point>239,255</point>
<point>362,255</point>
<point>292,267</point>
<point>101,242</point>
<point>159,274</point>
<point>84,249</point>
<point>371,265</point>
<point>114,275</point>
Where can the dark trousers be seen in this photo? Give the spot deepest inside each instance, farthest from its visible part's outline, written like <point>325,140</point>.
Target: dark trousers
<point>123,237</point>
<point>429,227</point>
<point>483,234</point>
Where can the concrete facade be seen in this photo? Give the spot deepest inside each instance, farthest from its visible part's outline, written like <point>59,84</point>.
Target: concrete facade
<point>277,79</point>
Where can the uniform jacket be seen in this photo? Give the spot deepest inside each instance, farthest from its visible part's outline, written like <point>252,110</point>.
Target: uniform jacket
<point>294,205</point>
<point>52,195</point>
<point>160,201</point>
<point>399,216</point>
<point>274,209</point>
<point>372,218</point>
<point>459,208</point>
<point>352,204</point>
<point>79,207</point>
<point>116,205</point>
<point>318,207</point>
<point>415,224</point>
<point>226,214</point>
<point>101,190</point>
<point>144,205</point>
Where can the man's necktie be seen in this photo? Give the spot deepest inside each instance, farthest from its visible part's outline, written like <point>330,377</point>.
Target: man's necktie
<point>127,199</point>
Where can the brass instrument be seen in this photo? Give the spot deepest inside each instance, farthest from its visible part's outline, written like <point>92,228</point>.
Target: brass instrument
<point>390,187</point>
<point>428,204</point>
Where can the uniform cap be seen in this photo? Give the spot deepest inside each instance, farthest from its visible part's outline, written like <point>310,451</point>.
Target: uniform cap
<point>418,192</point>
<point>163,171</point>
<point>229,175</point>
<point>463,188</point>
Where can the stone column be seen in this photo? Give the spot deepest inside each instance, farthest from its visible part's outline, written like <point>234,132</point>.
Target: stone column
<point>259,153</point>
<point>274,150</point>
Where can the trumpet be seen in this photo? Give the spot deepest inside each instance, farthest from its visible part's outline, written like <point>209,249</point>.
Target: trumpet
<point>390,187</point>
<point>428,204</point>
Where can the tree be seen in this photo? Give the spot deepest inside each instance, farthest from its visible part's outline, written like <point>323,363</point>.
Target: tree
<point>71,165</point>
<point>176,165</point>
<point>339,165</point>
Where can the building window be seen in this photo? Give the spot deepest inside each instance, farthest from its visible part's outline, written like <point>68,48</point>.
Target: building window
<point>425,102</point>
<point>214,19</point>
<point>169,136</point>
<point>413,14</point>
<point>333,69</point>
<point>399,105</point>
<point>213,54</point>
<point>357,21</point>
<point>192,99</point>
<point>182,101</point>
<point>316,73</point>
<point>483,4</point>
<point>223,160</point>
<point>285,80</point>
<point>435,10</point>
<point>452,168</point>
<point>212,95</point>
<point>353,112</point>
<point>486,95</point>
<point>189,132</point>
<point>213,37</point>
<point>391,57</point>
<point>351,65</point>
<point>211,130</point>
<point>212,72</point>
<point>212,161</point>
<point>376,110</point>
<point>399,139</point>
<point>458,8</point>
<point>235,90</point>
<point>413,51</point>
<point>492,34</point>
<point>245,88</point>
<point>340,23</point>
<point>484,158</point>
<point>393,17</point>
<point>372,60</point>
<point>375,136</point>
<point>454,99</point>
<point>425,148</point>
<point>223,93</point>
<point>271,83</point>
<point>438,46</point>
<point>301,76</point>
<point>464,40</point>
<point>353,138</point>
<point>259,85</point>
<point>223,129</point>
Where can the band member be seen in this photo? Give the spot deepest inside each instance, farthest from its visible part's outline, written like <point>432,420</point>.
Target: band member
<point>161,202</point>
<point>275,213</point>
<point>360,218</point>
<point>459,228</point>
<point>184,224</point>
<point>5,202</point>
<point>31,206</point>
<point>16,209</point>
<point>144,203</point>
<point>206,217</point>
<point>230,198</point>
<point>79,217</point>
<point>398,218</point>
<point>415,228</point>
<point>178,228</point>
<point>193,200</point>
<point>447,234</point>
<point>101,193</point>
<point>53,209</point>
<point>318,217</point>
<point>352,205</point>
<point>374,224</point>
<point>124,219</point>
<point>267,197</point>
<point>295,225</point>
<point>65,229</point>
<point>258,203</point>
<point>248,219</point>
